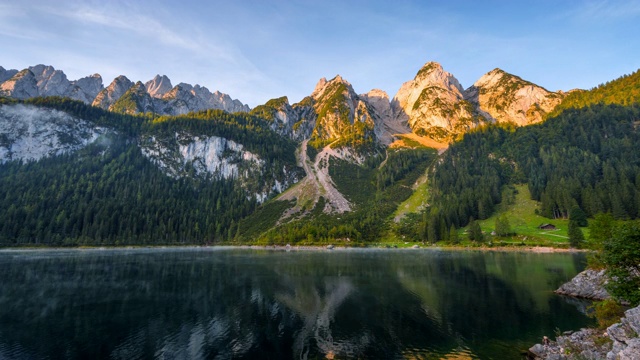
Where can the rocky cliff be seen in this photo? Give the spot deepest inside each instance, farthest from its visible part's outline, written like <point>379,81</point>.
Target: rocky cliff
<point>187,154</point>
<point>29,133</point>
<point>184,98</point>
<point>22,85</point>
<point>341,114</point>
<point>386,123</point>
<point>158,86</point>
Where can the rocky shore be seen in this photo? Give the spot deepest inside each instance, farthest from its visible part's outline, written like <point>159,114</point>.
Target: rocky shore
<point>589,284</point>
<point>619,342</point>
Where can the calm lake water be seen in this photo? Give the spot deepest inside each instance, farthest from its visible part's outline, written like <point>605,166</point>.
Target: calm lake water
<point>257,304</point>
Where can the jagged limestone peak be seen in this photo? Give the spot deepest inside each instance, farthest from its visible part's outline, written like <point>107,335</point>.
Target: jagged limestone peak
<point>109,95</point>
<point>324,85</point>
<point>504,97</point>
<point>433,104</point>
<point>22,85</point>
<point>158,86</point>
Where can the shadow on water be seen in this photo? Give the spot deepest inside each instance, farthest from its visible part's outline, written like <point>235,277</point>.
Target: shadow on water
<point>248,304</point>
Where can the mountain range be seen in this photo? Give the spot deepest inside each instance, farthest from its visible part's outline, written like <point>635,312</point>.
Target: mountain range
<point>152,162</point>
<point>433,104</point>
<point>156,95</point>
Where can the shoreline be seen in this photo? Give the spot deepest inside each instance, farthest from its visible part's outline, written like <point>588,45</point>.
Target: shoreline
<point>524,249</point>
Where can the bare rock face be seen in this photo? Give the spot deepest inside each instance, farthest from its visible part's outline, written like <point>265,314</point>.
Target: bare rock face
<point>503,97</point>
<point>158,86</point>
<point>6,74</point>
<point>386,124</point>
<point>44,80</point>
<point>184,98</point>
<point>86,89</point>
<point>32,133</point>
<point>626,343</point>
<point>50,82</point>
<point>22,85</point>
<point>433,104</point>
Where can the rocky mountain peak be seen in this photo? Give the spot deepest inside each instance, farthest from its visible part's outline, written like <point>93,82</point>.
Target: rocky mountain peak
<point>135,100</point>
<point>86,89</point>
<point>50,82</point>
<point>6,74</point>
<point>113,92</point>
<point>433,74</point>
<point>22,85</point>
<point>158,86</point>
<point>433,104</point>
<point>323,85</point>
<point>503,97</point>
<point>386,124</point>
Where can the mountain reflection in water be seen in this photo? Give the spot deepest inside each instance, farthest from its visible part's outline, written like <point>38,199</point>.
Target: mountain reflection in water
<point>257,304</point>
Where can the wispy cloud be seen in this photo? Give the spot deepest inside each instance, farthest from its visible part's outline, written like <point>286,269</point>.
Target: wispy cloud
<point>608,10</point>
<point>139,24</point>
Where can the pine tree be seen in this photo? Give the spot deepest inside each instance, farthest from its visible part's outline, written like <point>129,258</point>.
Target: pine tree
<point>576,238</point>
<point>475,232</point>
<point>503,227</point>
<point>453,235</point>
<point>576,214</point>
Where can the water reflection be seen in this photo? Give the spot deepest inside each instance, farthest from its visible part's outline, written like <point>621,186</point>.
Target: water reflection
<point>224,304</point>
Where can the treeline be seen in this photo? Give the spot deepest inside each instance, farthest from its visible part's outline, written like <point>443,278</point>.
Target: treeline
<point>589,158</point>
<point>113,196</point>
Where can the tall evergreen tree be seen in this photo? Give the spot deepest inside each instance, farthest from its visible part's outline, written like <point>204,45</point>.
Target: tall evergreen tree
<point>475,232</point>
<point>576,238</point>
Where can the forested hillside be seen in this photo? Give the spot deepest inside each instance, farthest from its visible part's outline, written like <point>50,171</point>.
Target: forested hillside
<point>623,91</point>
<point>587,157</point>
<point>110,193</point>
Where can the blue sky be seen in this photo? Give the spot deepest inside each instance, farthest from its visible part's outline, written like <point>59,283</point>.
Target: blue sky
<point>258,50</point>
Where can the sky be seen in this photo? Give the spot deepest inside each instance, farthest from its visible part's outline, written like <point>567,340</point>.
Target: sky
<point>258,50</point>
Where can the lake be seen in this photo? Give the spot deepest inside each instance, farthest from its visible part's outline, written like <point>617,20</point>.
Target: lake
<point>196,303</point>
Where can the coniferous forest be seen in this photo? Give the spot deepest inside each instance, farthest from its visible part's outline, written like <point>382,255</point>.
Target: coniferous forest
<point>110,194</point>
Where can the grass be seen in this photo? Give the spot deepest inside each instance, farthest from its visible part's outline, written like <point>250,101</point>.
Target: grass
<point>524,221</point>
<point>417,201</point>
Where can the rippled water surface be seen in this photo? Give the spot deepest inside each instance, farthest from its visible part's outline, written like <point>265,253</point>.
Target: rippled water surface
<point>258,304</point>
